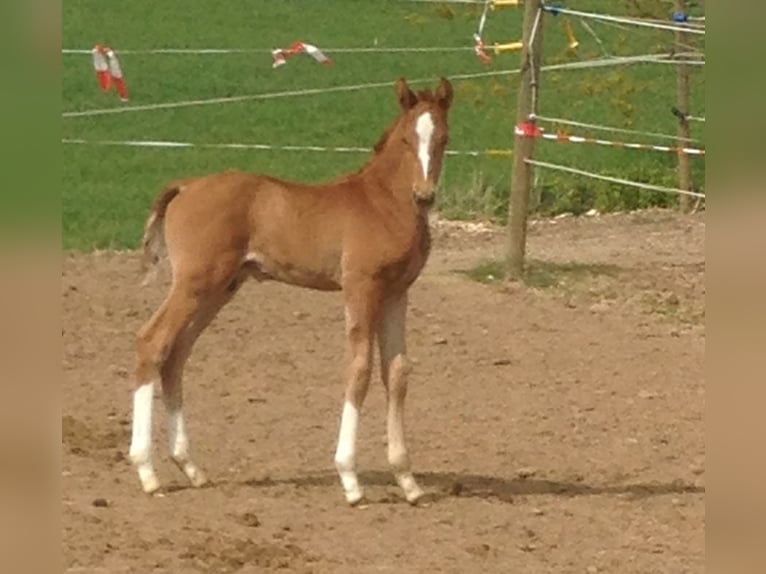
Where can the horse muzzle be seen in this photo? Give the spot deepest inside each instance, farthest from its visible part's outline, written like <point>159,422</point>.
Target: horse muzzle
<point>424,198</point>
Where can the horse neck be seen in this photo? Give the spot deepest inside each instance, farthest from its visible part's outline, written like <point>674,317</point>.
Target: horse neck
<point>391,167</point>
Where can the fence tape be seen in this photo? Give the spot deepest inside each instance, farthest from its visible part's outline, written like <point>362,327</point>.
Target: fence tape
<point>555,10</point>
<point>604,128</point>
<point>530,129</point>
<point>265,147</point>
<point>587,64</point>
<point>621,181</point>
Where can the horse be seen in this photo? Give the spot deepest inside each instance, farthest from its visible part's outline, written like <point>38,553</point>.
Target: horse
<point>365,234</point>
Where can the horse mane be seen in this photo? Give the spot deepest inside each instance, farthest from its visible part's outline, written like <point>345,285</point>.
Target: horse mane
<point>422,95</point>
<point>378,147</point>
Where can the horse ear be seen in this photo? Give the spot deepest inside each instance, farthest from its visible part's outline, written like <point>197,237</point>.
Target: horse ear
<point>406,97</point>
<point>444,93</point>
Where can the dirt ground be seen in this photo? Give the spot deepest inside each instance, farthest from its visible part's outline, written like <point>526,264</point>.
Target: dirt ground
<point>557,429</point>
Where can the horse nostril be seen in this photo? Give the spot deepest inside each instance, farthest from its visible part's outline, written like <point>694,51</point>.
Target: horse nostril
<point>425,199</point>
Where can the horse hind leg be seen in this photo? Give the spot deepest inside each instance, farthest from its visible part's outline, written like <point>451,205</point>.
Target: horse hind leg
<point>172,395</point>
<point>154,343</point>
<point>172,390</point>
<point>162,346</point>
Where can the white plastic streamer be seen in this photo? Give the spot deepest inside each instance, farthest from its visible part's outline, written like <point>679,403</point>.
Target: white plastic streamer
<point>587,64</point>
<point>621,181</point>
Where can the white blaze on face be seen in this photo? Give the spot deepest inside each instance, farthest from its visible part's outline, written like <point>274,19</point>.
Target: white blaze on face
<point>424,127</point>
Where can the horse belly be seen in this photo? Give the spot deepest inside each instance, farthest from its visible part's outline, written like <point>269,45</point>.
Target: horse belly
<point>296,270</point>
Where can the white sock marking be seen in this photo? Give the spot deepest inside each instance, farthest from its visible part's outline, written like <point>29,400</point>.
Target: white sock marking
<point>177,437</point>
<point>179,448</point>
<point>424,127</point>
<point>345,454</point>
<point>141,440</point>
<point>349,422</point>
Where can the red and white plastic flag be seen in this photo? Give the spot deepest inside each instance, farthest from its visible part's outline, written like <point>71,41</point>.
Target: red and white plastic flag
<point>101,65</point>
<point>281,54</point>
<point>108,71</point>
<point>480,51</point>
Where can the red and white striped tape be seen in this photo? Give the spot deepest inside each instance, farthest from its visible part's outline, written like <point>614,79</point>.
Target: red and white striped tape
<point>480,50</point>
<point>530,129</point>
<point>280,55</point>
<point>108,71</point>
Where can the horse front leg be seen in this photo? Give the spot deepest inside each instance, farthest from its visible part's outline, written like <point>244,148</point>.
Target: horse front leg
<point>395,368</point>
<point>362,304</point>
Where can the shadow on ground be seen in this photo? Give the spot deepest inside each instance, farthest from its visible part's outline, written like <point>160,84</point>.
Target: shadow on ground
<point>442,485</point>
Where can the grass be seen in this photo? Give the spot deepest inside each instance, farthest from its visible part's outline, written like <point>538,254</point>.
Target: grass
<point>106,191</point>
<point>547,274</point>
<point>542,274</point>
<point>487,272</point>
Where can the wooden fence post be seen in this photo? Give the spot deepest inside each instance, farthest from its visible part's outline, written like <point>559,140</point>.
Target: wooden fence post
<point>682,94</point>
<point>523,147</point>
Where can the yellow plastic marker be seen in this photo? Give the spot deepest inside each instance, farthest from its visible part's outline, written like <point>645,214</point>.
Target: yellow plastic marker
<point>573,43</point>
<point>510,47</point>
<point>504,3</point>
<point>499,152</point>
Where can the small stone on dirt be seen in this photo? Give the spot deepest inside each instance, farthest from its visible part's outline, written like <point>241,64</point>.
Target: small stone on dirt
<point>600,307</point>
<point>440,341</point>
<point>456,489</point>
<point>479,549</point>
<point>526,472</point>
<point>100,503</point>
<point>250,519</point>
<point>644,394</point>
<point>501,362</point>
<point>672,300</point>
<point>538,511</point>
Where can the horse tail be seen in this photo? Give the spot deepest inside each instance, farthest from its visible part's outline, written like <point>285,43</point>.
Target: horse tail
<point>154,231</point>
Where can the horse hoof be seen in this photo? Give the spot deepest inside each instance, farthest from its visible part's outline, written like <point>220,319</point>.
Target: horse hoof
<point>355,497</point>
<point>150,484</point>
<point>414,497</point>
<point>196,477</point>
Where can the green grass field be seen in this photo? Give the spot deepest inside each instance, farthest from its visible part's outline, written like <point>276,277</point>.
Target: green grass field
<point>107,190</point>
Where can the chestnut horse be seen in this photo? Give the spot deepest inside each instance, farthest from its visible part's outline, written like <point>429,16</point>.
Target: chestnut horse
<point>365,234</point>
